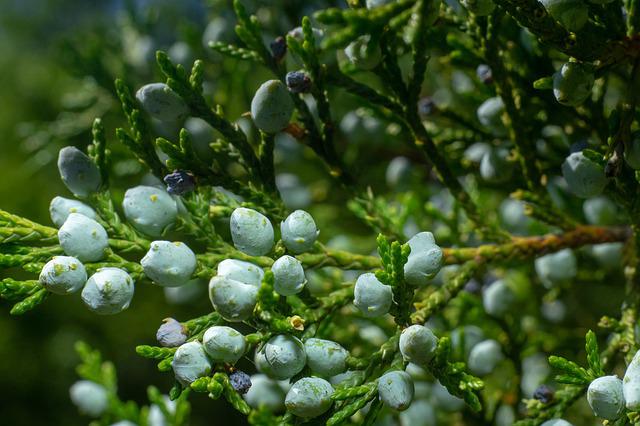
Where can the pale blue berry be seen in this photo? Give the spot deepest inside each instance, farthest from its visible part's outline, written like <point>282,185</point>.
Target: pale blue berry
<point>123,423</point>
<point>396,390</point>
<point>556,268</point>
<point>605,397</point>
<point>418,344</point>
<point>299,232</point>
<point>162,103</point>
<point>298,34</point>
<point>535,370</point>
<point>423,389</point>
<point>351,377</point>
<point>375,3</point>
<point>572,14</point>
<point>494,166</point>
<point>372,297</point>
<point>60,209</point>
<point>325,357</point>
<point>363,53</point>
<point>600,211</point>
<point>505,415</point>
<point>285,356</point>
<point>150,210</point>
<point>490,112</point>
<point>251,232</point>
<point>260,361</point>
<point>202,136</point>
<point>373,334</point>
<point>608,255</point>
<point>169,264</point>
<point>224,344</point>
<point>156,415</point>
<point>90,397</point>
<point>553,311</point>
<point>464,338</point>
<point>219,29</point>
<point>181,53</point>
<point>271,107</point>
<point>483,71</point>
<point>419,413</point>
<point>171,333</point>
<point>476,151</point>
<point>445,401</point>
<point>417,372</point>
<point>108,291</point>
<point>513,216</point>
<point>233,300</point>
<point>425,259</point>
<point>309,397</point>
<point>288,276</point>
<point>265,392</point>
<point>63,275</point>
<point>556,422</point>
<point>584,177</point>
<point>573,83</point>
<point>398,172</point>
<point>83,238</point>
<point>239,270</point>
<point>294,193</point>
<point>498,299</point>
<point>190,362</point>
<point>484,357</point>
<point>188,293</point>
<point>78,172</point>
<point>631,384</point>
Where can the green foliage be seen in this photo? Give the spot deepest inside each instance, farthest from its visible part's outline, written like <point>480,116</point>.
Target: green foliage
<point>416,85</point>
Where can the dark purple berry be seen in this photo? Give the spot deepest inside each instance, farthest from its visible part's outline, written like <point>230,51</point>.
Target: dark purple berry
<point>278,48</point>
<point>298,82</point>
<point>426,106</point>
<point>543,394</point>
<point>179,182</point>
<point>171,333</point>
<point>240,381</point>
<point>484,74</point>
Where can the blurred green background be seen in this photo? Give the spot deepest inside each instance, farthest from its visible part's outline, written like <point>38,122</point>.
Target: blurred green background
<point>48,50</point>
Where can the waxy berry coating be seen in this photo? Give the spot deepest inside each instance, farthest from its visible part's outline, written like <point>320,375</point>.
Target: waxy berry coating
<point>224,344</point>
<point>190,362</point>
<point>91,398</point>
<point>60,209</point>
<point>309,397</point>
<point>63,275</point>
<point>78,172</point>
<point>396,390</point>
<point>251,231</point>
<point>169,264</point>
<point>149,209</point>
<point>272,107</point>
<point>83,238</point>
<point>108,291</point>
